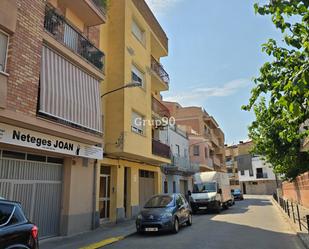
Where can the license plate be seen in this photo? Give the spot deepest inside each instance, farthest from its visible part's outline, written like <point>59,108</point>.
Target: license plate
<point>151,229</point>
<point>203,208</point>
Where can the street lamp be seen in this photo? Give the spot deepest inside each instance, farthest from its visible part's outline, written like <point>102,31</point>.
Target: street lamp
<point>129,85</point>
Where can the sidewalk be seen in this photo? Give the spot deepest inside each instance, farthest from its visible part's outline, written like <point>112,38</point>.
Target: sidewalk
<point>107,234</point>
<point>303,235</point>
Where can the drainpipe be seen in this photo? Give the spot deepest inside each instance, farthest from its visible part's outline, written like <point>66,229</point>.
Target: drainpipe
<point>94,201</point>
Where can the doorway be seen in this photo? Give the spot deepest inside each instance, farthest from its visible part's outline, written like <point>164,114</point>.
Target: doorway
<point>104,194</point>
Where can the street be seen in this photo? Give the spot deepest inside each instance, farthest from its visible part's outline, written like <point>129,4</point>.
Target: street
<point>252,223</point>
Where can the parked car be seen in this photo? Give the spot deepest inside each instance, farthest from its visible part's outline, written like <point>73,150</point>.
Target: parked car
<point>211,190</point>
<point>237,194</point>
<point>164,213</point>
<point>16,231</point>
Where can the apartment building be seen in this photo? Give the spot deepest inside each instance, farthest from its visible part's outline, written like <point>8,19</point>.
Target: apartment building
<point>50,113</point>
<point>231,153</point>
<point>130,172</point>
<point>205,136</point>
<point>255,176</point>
<point>178,175</point>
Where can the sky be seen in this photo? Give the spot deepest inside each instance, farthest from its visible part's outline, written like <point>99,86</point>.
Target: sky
<point>214,53</point>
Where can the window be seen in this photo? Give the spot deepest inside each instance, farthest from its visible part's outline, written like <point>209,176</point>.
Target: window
<point>206,154</point>
<point>6,211</point>
<point>165,187</point>
<point>177,149</point>
<point>174,187</point>
<point>242,172</point>
<point>229,170</point>
<point>196,150</point>
<point>4,38</point>
<point>137,76</point>
<point>138,32</point>
<point>137,123</point>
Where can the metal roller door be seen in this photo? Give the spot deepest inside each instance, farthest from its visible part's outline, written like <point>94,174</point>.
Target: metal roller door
<point>37,185</point>
<point>146,186</point>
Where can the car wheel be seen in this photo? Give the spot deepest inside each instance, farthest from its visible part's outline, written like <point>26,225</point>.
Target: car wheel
<point>189,221</point>
<point>176,225</point>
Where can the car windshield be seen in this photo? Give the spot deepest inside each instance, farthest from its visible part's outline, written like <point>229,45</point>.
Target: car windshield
<point>160,201</point>
<point>237,191</point>
<point>204,187</point>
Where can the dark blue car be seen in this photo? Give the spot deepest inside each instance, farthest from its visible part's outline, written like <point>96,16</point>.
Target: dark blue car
<point>237,194</point>
<point>164,213</point>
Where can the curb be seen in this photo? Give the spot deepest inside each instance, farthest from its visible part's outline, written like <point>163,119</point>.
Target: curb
<point>299,235</point>
<point>106,242</point>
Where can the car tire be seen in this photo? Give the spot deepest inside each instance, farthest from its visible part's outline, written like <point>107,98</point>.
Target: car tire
<point>189,221</point>
<point>218,207</point>
<point>175,225</point>
<point>226,206</point>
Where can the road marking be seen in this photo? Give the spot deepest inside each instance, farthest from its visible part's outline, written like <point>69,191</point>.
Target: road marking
<point>103,243</point>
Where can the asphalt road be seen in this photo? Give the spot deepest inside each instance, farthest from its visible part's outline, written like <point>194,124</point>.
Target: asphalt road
<point>249,224</point>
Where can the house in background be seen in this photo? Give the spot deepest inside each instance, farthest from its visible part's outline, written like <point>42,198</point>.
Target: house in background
<point>178,175</point>
<point>255,176</point>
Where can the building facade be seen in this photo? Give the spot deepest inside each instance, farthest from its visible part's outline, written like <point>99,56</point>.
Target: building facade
<point>130,172</point>
<point>205,136</point>
<point>178,175</point>
<point>249,172</point>
<point>50,113</point>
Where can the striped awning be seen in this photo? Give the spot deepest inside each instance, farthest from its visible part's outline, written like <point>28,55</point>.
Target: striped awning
<point>69,93</point>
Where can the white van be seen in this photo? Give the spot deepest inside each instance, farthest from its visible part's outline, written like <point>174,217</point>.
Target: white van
<point>211,190</point>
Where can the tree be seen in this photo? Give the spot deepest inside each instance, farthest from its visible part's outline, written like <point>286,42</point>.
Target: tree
<point>285,81</point>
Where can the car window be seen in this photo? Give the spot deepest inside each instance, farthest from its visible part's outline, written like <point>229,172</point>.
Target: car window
<point>17,217</point>
<point>160,201</point>
<point>6,211</point>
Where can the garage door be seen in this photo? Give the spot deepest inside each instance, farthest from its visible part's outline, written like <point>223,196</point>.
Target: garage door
<point>37,185</point>
<point>146,186</point>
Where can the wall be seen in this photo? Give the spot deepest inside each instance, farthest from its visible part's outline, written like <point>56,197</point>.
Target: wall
<point>297,190</point>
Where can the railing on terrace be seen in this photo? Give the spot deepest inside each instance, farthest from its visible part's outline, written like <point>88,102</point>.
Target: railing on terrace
<point>101,4</point>
<point>159,108</point>
<point>261,175</point>
<point>65,33</point>
<point>159,70</point>
<point>160,149</point>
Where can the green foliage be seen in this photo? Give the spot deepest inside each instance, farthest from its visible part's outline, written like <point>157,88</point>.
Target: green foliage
<point>285,79</point>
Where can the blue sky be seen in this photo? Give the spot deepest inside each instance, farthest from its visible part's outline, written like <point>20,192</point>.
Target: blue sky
<point>214,52</point>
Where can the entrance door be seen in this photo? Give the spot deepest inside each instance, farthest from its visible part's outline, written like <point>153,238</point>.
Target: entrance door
<point>146,186</point>
<point>244,188</point>
<point>104,194</point>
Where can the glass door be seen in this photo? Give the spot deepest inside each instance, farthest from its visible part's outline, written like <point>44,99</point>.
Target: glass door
<point>104,194</point>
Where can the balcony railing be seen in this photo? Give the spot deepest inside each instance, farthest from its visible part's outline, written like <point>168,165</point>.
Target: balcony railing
<point>261,175</point>
<point>101,5</point>
<point>159,108</point>
<point>183,164</point>
<point>159,70</point>
<point>65,33</point>
<point>160,149</point>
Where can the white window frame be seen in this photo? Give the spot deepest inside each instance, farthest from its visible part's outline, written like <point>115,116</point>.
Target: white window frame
<point>135,26</point>
<point>134,127</point>
<point>7,50</point>
<point>139,73</point>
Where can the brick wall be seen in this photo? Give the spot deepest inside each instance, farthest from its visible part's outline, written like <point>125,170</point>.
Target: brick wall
<point>297,190</point>
<point>24,57</point>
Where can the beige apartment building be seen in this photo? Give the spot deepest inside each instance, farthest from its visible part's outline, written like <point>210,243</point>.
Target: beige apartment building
<point>206,139</point>
<point>50,112</point>
<point>231,153</point>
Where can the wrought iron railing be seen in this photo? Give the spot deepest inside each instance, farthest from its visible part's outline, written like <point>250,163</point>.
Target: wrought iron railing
<point>261,175</point>
<point>159,70</point>
<point>160,149</point>
<point>65,33</point>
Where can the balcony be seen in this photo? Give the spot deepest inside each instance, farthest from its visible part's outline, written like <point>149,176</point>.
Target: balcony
<point>262,175</point>
<point>91,12</point>
<point>159,109</point>
<point>181,164</point>
<point>57,26</point>
<point>161,77</point>
<point>160,149</point>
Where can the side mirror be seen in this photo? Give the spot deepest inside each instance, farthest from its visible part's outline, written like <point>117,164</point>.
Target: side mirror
<point>220,191</point>
<point>189,193</point>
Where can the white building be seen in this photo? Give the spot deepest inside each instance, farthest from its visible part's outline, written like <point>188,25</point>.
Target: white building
<point>255,175</point>
<point>177,176</point>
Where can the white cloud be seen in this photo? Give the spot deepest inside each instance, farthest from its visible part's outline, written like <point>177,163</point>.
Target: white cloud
<point>160,6</point>
<point>196,96</point>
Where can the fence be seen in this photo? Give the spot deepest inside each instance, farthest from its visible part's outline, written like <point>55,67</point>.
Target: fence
<point>297,213</point>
